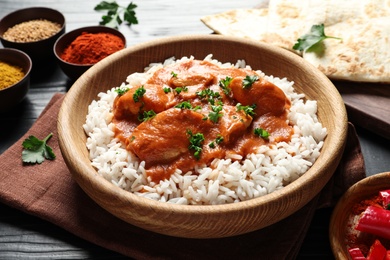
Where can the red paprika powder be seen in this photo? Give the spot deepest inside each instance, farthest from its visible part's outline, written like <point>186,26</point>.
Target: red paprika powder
<point>89,48</point>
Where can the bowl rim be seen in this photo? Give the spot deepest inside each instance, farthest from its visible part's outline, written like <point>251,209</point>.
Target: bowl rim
<point>26,73</point>
<point>37,8</point>
<point>89,174</point>
<point>77,32</point>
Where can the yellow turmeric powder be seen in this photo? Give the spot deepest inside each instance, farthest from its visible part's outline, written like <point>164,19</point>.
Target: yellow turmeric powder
<point>9,75</point>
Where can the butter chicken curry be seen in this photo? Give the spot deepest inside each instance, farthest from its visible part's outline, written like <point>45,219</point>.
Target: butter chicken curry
<point>192,112</point>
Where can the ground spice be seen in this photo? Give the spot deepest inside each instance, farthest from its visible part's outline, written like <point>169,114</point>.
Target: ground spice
<point>89,48</point>
<point>31,31</point>
<point>9,75</point>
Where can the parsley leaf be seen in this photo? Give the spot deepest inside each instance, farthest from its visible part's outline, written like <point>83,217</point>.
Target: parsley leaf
<point>209,94</point>
<point>215,114</point>
<point>248,81</point>
<point>180,89</point>
<point>113,18</point>
<point>310,41</point>
<point>224,84</point>
<point>121,91</point>
<point>261,133</point>
<point>167,90</point>
<point>36,150</point>
<point>217,141</point>
<point>248,110</point>
<point>184,105</point>
<point>139,93</point>
<point>196,142</point>
<point>146,115</point>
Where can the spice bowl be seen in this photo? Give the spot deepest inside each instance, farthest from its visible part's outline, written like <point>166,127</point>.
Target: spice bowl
<point>80,58</point>
<point>343,220</point>
<point>13,94</point>
<point>37,43</point>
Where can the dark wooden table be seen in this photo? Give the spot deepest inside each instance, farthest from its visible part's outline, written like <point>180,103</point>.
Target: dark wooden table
<point>26,237</point>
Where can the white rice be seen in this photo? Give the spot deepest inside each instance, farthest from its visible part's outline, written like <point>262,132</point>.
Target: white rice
<point>225,180</point>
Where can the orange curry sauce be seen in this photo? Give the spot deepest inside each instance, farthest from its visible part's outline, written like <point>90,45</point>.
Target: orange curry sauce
<point>163,141</point>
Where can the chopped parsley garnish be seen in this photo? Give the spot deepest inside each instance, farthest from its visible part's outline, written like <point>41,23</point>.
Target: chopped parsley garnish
<point>174,75</point>
<point>224,84</point>
<point>215,114</point>
<point>196,142</point>
<point>209,94</point>
<point>261,133</point>
<point>218,140</point>
<point>248,110</point>
<point>121,91</point>
<point>139,93</point>
<point>248,81</point>
<point>167,90</point>
<point>184,105</point>
<point>36,150</point>
<point>113,19</point>
<point>146,115</point>
<point>310,41</point>
<point>181,89</point>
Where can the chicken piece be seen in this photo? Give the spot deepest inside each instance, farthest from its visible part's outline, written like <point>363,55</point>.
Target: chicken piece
<point>233,124</point>
<point>154,98</point>
<point>164,138</point>
<point>267,97</point>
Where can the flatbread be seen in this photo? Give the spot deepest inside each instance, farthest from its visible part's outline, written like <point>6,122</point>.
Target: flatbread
<point>247,23</point>
<point>363,53</point>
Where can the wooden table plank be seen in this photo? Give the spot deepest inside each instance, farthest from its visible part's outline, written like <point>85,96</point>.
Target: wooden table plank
<point>23,236</point>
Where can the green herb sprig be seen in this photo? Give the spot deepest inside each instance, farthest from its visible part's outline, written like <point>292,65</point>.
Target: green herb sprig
<point>181,89</point>
<point>261,133</point>
<point>36,150</point>
<point>184,105</point>
<point>224,84</point>
<point>167,90</point>
<point>215,113</point>
<point>248,81</point>
<point>114,10</point>
<point>248,110</point>
<point>139,93</point>
<point>196,142</point>
<point>217,141</point>
<point>310,41</point>
<point>146,115</point>
<point>209,94</point>
<point>121,91</point>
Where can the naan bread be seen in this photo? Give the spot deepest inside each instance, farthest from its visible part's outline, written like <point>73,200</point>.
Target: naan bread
<point>360,56</point>
<point>363,54</point>
<point>248,23</point>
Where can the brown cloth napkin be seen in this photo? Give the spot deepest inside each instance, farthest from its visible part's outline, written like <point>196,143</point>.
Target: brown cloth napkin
<point>49,192</point>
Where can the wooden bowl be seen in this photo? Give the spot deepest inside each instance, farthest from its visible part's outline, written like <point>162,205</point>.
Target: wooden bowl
<point>40,52</point>
<point>72,70</point>
<point>14,94</point>
<point>361,190</point>
<point>201,221</point>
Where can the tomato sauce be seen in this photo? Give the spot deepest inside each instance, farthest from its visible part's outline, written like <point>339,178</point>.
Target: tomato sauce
<point>197,98</point>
